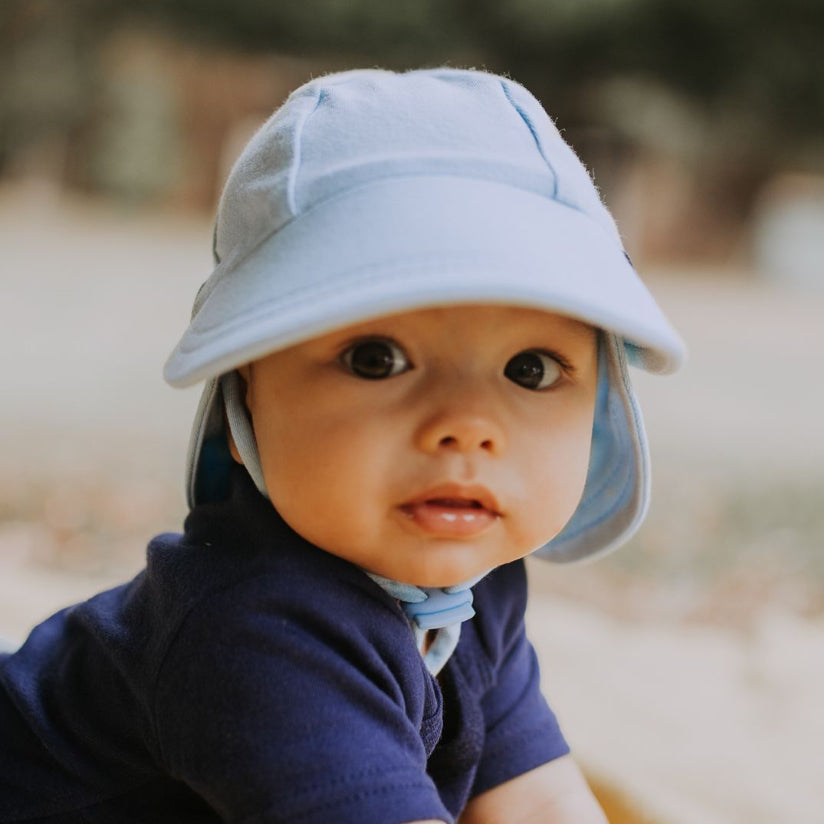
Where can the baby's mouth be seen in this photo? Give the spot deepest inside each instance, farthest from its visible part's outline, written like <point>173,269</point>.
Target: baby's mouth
<point>452,516</point>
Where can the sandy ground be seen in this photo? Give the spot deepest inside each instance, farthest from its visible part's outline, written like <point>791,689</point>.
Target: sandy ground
<point>694,724</point>
<point>703,721</point>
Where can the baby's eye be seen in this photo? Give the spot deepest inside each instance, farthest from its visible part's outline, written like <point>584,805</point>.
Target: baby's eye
<point>375,358</point>
<point>533,369</point>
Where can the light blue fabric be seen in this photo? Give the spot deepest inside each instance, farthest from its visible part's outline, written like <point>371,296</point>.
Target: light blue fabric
<point>616,493</point>
<point>429,608</point>
<point>437,651</point>
<point>370,192</point>
<point>441,609</point>
<point>240,426</point>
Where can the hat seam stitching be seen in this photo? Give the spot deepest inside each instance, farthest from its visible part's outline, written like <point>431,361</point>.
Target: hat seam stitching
<point>233,258</point>
<point>535,137</point>
<point>297,155</point>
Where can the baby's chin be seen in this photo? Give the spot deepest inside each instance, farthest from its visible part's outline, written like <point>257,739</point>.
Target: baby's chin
<point>424,576</point>
<point>446,575</point>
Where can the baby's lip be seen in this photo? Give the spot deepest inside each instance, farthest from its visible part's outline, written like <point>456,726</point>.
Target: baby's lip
<point>458,496</point>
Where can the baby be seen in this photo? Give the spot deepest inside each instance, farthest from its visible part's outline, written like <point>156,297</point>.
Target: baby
<point>414,344</point>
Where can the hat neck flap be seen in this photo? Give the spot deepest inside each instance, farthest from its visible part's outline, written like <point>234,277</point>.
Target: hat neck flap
<point>616,492</point>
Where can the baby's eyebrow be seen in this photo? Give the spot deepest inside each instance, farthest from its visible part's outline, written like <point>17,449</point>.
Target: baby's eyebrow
<point>578,336</point>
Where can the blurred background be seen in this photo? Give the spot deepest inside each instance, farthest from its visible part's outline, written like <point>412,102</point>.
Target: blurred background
<point>688,668</point>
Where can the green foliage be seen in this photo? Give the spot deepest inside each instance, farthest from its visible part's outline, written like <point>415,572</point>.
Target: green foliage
<point>752,55</point>
<point>305,26</point>
<point>755,56</point>
<point>751,68</point>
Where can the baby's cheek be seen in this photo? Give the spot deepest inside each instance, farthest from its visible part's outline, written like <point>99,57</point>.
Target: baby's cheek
<point>336,502</point>
<point>555,494</point>
<point>545,522</point>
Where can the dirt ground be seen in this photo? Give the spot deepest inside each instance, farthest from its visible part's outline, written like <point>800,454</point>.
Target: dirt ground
<point>687,669</point>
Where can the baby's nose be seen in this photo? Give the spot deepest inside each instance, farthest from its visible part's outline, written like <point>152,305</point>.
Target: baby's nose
<point>461,431</point>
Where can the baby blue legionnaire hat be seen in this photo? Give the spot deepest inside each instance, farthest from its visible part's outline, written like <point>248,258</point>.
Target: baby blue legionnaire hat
<point>372,192</point>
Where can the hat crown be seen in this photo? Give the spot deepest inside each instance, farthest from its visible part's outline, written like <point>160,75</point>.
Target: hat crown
<point>348,129</point>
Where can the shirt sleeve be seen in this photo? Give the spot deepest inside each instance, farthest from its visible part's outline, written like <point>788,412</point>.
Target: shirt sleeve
<point>522,732</point>
<point>274,717</point>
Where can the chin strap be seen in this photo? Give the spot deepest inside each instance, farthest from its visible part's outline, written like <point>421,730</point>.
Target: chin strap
<point>439,608</point>
<point>430,608</point>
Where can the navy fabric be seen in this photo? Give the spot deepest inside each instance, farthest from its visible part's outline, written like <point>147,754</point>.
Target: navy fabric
<point>246,675</point>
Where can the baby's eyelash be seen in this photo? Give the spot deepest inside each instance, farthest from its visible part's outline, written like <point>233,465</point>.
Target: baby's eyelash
<point>566,365</point>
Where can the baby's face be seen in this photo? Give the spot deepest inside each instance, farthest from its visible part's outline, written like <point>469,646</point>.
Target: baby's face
<point>433,445</point>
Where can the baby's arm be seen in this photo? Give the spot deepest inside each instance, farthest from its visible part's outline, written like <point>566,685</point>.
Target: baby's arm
<point>555,792</point>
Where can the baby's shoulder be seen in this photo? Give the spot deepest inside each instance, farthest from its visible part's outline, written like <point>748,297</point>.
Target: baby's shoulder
<point>284,580</point>
<point>291,616</point>
<point>274,592</point>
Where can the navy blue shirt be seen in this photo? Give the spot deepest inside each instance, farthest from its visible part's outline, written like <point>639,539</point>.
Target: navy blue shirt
<point>246,675</point>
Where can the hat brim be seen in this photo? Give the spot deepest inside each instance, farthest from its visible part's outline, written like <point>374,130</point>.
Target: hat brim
<point>411,242</point>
